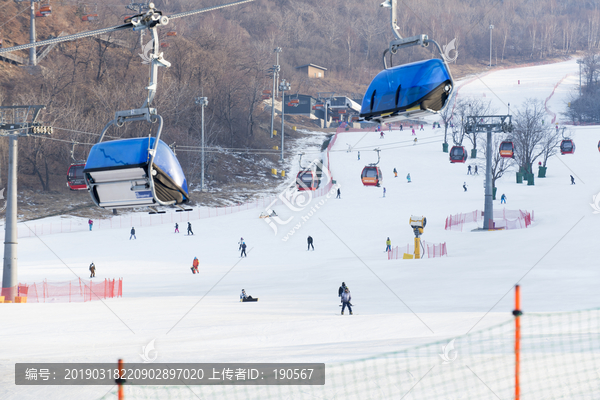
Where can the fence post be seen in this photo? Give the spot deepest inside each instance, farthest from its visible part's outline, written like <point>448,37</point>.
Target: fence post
<point>517,313</point>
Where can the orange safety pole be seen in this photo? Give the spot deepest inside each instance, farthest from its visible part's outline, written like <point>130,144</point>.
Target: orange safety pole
<point>120,380</point>
<point>517,313</point>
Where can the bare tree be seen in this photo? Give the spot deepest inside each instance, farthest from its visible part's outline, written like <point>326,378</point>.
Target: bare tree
<point>551,143</point>
<point>499,164</point>
<point>530,133</point>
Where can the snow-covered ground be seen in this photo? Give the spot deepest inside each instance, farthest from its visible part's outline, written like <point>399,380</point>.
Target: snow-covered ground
<point>399,303</point>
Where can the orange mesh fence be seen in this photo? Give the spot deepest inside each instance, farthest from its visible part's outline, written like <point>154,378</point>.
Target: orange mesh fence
<point>66,292</point>
<point>503,219</point>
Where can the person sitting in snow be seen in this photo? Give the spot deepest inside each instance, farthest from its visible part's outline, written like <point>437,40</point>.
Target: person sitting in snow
<point>245,297</point>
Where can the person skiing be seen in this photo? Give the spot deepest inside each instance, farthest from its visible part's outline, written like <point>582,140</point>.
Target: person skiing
<point>359,156</point>
<point>503,199</point>
<point>338,194</point>
<point>469,170</point>
<point>243,247</point>
<point>383,192</point>
<point>413,131</point>
<point>240,243</point>
<point>189,230</point>
<point>310,243</point>
<point>408,177</point>
<point>195,264</point>
<point>476,173</point>
<point>90,223</point>
<point>381,135</point>
<point>245,297</point>
<point>422,127</point>
<point>388,245</point>
<point>395,173</point>
<point>390,127</point>
<point>341,289</point>
<point>92,270</point>
<point>346,298</point>
<point>132,233</point>
<point>400,127</point>
<point>465,186</point>
<point>572,180</point>
<point>176,227</point>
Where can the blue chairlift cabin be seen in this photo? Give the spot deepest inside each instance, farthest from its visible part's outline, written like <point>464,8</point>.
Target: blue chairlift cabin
<point>125,173</point>
<point>412,90</point>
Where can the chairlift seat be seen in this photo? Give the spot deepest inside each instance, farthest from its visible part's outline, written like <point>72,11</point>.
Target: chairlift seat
<point>412,90</point>
<point>118,174</point>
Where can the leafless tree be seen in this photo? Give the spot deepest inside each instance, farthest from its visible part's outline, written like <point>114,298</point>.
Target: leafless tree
<point>499,164</point>
<point>530,133</point>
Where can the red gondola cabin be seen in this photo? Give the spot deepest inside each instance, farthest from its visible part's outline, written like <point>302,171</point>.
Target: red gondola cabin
<point>507,150</point>
<point>458,154</point>
<point>371,176</point>
<point>75,178</point>
<point>307,180</point>
<point>567,146</point>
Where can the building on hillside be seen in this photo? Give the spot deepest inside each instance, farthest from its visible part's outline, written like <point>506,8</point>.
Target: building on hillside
<point>312,70</point>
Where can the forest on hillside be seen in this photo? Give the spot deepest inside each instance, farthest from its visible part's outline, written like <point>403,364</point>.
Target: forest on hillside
<point>225,55</point>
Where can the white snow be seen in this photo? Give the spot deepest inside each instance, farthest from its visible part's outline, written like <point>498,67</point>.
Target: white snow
<point>399,303</point>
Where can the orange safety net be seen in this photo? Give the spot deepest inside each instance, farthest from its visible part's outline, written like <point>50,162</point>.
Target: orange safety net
<point>66,292</point>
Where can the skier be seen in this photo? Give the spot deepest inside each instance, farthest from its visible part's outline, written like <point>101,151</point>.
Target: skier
<point>346,297</point>
<point>476,173</point>
<point>381,135</point>
<point>92,270</point>
<point>465,186</point>
<point>390,127</point>
<point>415,141</point>
<point>422,127</point>
<point>176,227</point>
<point>572,180</point>
<point>413,131</point>
<point>341,289</point>
<point>243,247</point>
<point>383,192</point>
<point>395,173</point>
<point>359,156</point>
<point>90,223</point>
<point>240,243</point>
<point>408,177</point>
<point>338,194</point>
<point>132,233</point>
<point>400,127</point>
<point>195,264</point>
<point>310,243</point>
<point>189,230</point>
<point>244,297</point>
<point>388,245</point>
<point>469,170</point>
<point>503,199</point>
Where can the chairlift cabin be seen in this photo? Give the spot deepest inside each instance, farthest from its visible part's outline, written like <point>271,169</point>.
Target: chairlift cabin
<point>307,180</point>
<point>412,90</point>
<point>75,177</point>
<point>507,149</point>
<point>134,173</point>
<point>371,176</point>
<point>567,146</point>
<point>458,154</point>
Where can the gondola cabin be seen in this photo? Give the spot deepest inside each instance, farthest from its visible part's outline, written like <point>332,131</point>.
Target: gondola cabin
<point>507,150</point>
<point>371,176</point>
<point>123,173</point>
<point>46,10</point>
<point>75,178</point>
<point>458,154</point>
<point>307,180</point>
<point>567,146</point>
<point>412,90</point>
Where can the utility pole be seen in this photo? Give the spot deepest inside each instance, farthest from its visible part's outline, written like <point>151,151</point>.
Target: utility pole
<point>491,28</point>
<point>283,86</point>
<point>275,71</point>
<point>203,102</point>
<point>277,50</point>
<point>496,123</point>
<point>14,123</point>
<point>580,62</point>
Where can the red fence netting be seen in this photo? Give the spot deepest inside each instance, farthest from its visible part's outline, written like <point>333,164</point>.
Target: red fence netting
<point>503,219</point>
<point>427,251</point>
<point>67,292</point>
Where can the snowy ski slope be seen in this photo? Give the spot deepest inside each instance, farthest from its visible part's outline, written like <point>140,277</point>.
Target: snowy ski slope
<point>399,303</point>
